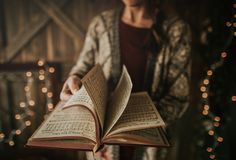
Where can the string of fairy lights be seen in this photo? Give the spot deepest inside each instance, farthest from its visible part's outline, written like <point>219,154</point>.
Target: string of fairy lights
<point>206,107</point>
<point>43,75</point>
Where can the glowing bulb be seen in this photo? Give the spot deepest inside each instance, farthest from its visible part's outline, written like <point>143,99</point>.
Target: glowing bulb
<point>41,77</point>
<point>212,156</point>
<point>209,149</point>
<point>206,81</point>
<point>209,72</point>
<point>234,5</point>
<point>51,69</point>
<point>40,63</point>
<point>28,74</point>
<point>41,71</point>
<point>228,24</point>
<point>50,94</point>
<point>211,132</point>
<point>223,54</point>
<point>220,139</point>
<point>11,143</point>
<point>234,24</point>
<point>27,123</point>
<point>22,104</point>
<point>44,90</point>
<point>206,107</point>
<point>205,112</point>
<point>30,113</point>
<point>2,135</point>
<point>217,119</point>
<point>50,106</point>
<point>18,132</point>
<point>17,116</point>
<point>27,88</point>
<point>31,103</point>
<point>203,88</point>
<point>209,29</point>
<point>233,98</point>
<point>216,124</point>
<point>204,95</point>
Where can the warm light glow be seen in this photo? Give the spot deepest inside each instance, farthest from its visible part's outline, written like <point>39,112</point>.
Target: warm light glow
<point>209,72</point>
<point>234,24</point>
<point>40,63</point>
<point>50,106</point>
<point>209,149</point>
<point>17,116</point>
<point>41,77</point>
<point>223,54</point>
<point>51,69</point>
<point>234,5</point>
<point>203,88</point>
<point>44,90</point>
<point>18,132</point>
<point>234,15</point>
<point>11,143</point>
<point>211,132</point>
<point>206,107</point>
<point>220,139</point>
<point>27,88</point>
<point>233,98</point>
<point>31,103</point>
<point>206,81</point>
<point>41,71</point>
<point>50,94</point>
<point>204,95</point>
<point>2,135</point>
<point>212,156</point>
<point>27,123</point>
<point>30,113</point>
<point>209,29</point>
<point>28,74</point>
<point>22,104</point>
<point>217,119</point>
<point>228,24</point>
<point>216,124</point>
<point>205,112</point>
<point>234,33</point>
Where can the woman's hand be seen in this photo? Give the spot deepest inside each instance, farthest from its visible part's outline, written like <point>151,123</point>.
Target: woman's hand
<point>71,85</point>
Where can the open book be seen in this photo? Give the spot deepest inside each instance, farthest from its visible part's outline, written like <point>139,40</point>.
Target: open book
<point>92,117</point>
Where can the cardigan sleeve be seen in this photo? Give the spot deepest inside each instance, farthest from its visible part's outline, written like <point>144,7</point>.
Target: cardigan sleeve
<point>175,97</point>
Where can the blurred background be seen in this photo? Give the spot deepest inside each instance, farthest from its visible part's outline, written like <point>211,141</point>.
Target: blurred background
<point>41,40</point>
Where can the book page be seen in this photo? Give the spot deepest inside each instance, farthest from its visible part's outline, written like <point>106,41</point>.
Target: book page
<point>149,137</point>
<point>80,97</point>
<point>68,123</point>
<point>96,86</point>
<point>140,113</point>
<point>119,100</point>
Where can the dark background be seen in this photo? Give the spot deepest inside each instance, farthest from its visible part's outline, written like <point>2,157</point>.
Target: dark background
<point>53,31</point>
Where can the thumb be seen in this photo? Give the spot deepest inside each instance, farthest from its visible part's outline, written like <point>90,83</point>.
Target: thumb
<point>74,84</point>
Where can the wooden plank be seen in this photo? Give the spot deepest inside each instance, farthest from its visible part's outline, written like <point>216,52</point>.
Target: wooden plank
<point>23,38</point>
<point>61,19</point>
<point>50,46</point>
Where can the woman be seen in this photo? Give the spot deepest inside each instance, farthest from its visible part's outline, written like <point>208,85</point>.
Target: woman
<point>154,50</point>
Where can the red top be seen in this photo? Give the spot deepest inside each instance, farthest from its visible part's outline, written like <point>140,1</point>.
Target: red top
<point>133,48</point>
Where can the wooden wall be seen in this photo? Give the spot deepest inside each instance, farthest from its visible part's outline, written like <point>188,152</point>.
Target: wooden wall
<point>52,30</point>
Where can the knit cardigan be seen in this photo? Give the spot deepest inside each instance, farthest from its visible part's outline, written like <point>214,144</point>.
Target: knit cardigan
<point>170,68</point>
